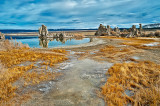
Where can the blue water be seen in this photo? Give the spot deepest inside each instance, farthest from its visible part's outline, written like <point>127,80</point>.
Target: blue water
<point>34,41</point>
<point>20,37</point>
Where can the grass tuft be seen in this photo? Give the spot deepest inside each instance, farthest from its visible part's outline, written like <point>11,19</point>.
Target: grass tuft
<point>141,79</point>
<point>15,70</point>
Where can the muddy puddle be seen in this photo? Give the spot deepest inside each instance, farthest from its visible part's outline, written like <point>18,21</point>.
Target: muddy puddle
<point>77,86</point>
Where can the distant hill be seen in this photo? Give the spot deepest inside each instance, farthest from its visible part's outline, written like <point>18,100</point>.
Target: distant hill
<point>157,25</point>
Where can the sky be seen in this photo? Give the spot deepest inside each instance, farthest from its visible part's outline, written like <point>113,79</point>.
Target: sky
<point>77,14</point>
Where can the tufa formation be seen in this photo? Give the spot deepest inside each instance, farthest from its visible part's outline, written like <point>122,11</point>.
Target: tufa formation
<point>43,32</point>
<point>132,32</point>
<point>2,36</point>
<point>101,30</point>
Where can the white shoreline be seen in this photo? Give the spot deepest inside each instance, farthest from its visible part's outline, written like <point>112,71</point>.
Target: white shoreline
<point>95,42</point>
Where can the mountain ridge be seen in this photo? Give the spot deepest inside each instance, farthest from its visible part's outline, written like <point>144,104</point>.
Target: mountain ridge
<point>156,25</point>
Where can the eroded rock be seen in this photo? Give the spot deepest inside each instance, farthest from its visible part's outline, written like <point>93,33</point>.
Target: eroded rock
<point>43,31</point>
<point>101,30</point>
<point>2,36</point>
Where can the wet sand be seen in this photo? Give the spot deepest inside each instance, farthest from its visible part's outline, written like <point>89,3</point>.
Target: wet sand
<point>77,87</point>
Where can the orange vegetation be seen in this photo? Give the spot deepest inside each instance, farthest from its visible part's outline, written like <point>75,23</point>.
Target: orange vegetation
<point>6,45</point>
<point>141,79</point>
<point>78,36</point>
<point>112,53</point>
<point>107,37</point>
<point>12,72</point>
<point>135,42</point>
<point>7,78</point>
<point>17,56</point>
<point>139,43</point>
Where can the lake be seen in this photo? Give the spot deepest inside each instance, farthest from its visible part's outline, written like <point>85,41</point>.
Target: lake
<point>35,42</point>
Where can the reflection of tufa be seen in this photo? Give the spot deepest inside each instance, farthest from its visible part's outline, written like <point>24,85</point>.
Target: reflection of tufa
<point>43,42</point>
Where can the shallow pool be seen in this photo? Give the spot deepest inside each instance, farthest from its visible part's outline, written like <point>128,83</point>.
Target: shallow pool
<point>50,42</point>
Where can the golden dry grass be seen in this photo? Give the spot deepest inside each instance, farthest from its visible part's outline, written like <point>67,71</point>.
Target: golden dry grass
<point>113,54</point>
<point>7,45</point>
<point>109,37</point>
<point>140,43</point>
<point>135,42</point>
<point>78,36</point>
<point>11,72</point>
<point>7,78</point>
<point>17,56</point>
<point>142,79</point>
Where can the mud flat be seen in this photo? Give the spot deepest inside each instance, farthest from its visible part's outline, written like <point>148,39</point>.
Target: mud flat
<point>78,86</point>
<point>82,78</point>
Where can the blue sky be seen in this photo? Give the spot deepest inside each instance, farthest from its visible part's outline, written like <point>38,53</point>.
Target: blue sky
<point>55,14</point>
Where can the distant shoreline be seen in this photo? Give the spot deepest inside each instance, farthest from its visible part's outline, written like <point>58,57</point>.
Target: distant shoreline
<point>36,33</point>
<point>21,34</point>
<point>9,31</point>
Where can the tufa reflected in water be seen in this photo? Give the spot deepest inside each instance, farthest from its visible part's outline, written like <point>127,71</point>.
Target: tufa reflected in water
<point>48,42</point>
<point>44,41</point>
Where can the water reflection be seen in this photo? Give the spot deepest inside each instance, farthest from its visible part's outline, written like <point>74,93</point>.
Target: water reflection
<point>43,41</point>
<point>91,40</point>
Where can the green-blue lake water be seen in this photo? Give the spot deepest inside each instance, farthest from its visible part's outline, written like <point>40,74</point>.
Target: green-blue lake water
<point>36,42</point>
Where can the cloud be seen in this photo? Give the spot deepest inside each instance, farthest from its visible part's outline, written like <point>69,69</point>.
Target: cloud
<point>30,14</point>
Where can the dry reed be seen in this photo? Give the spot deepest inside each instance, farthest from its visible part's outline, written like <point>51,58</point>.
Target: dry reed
<point>113,54</point>
<point>12,56</point>
<point>78,36</point>
<point>135,42</point>
<point>141,79</point>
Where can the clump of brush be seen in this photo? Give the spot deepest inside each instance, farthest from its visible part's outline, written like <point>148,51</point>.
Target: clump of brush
<point>78,36</point>
<point>12,44</point>
<point>15,70</point>
<point>113,54</point>
<point>139,42</point>
<point>142,79</point>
